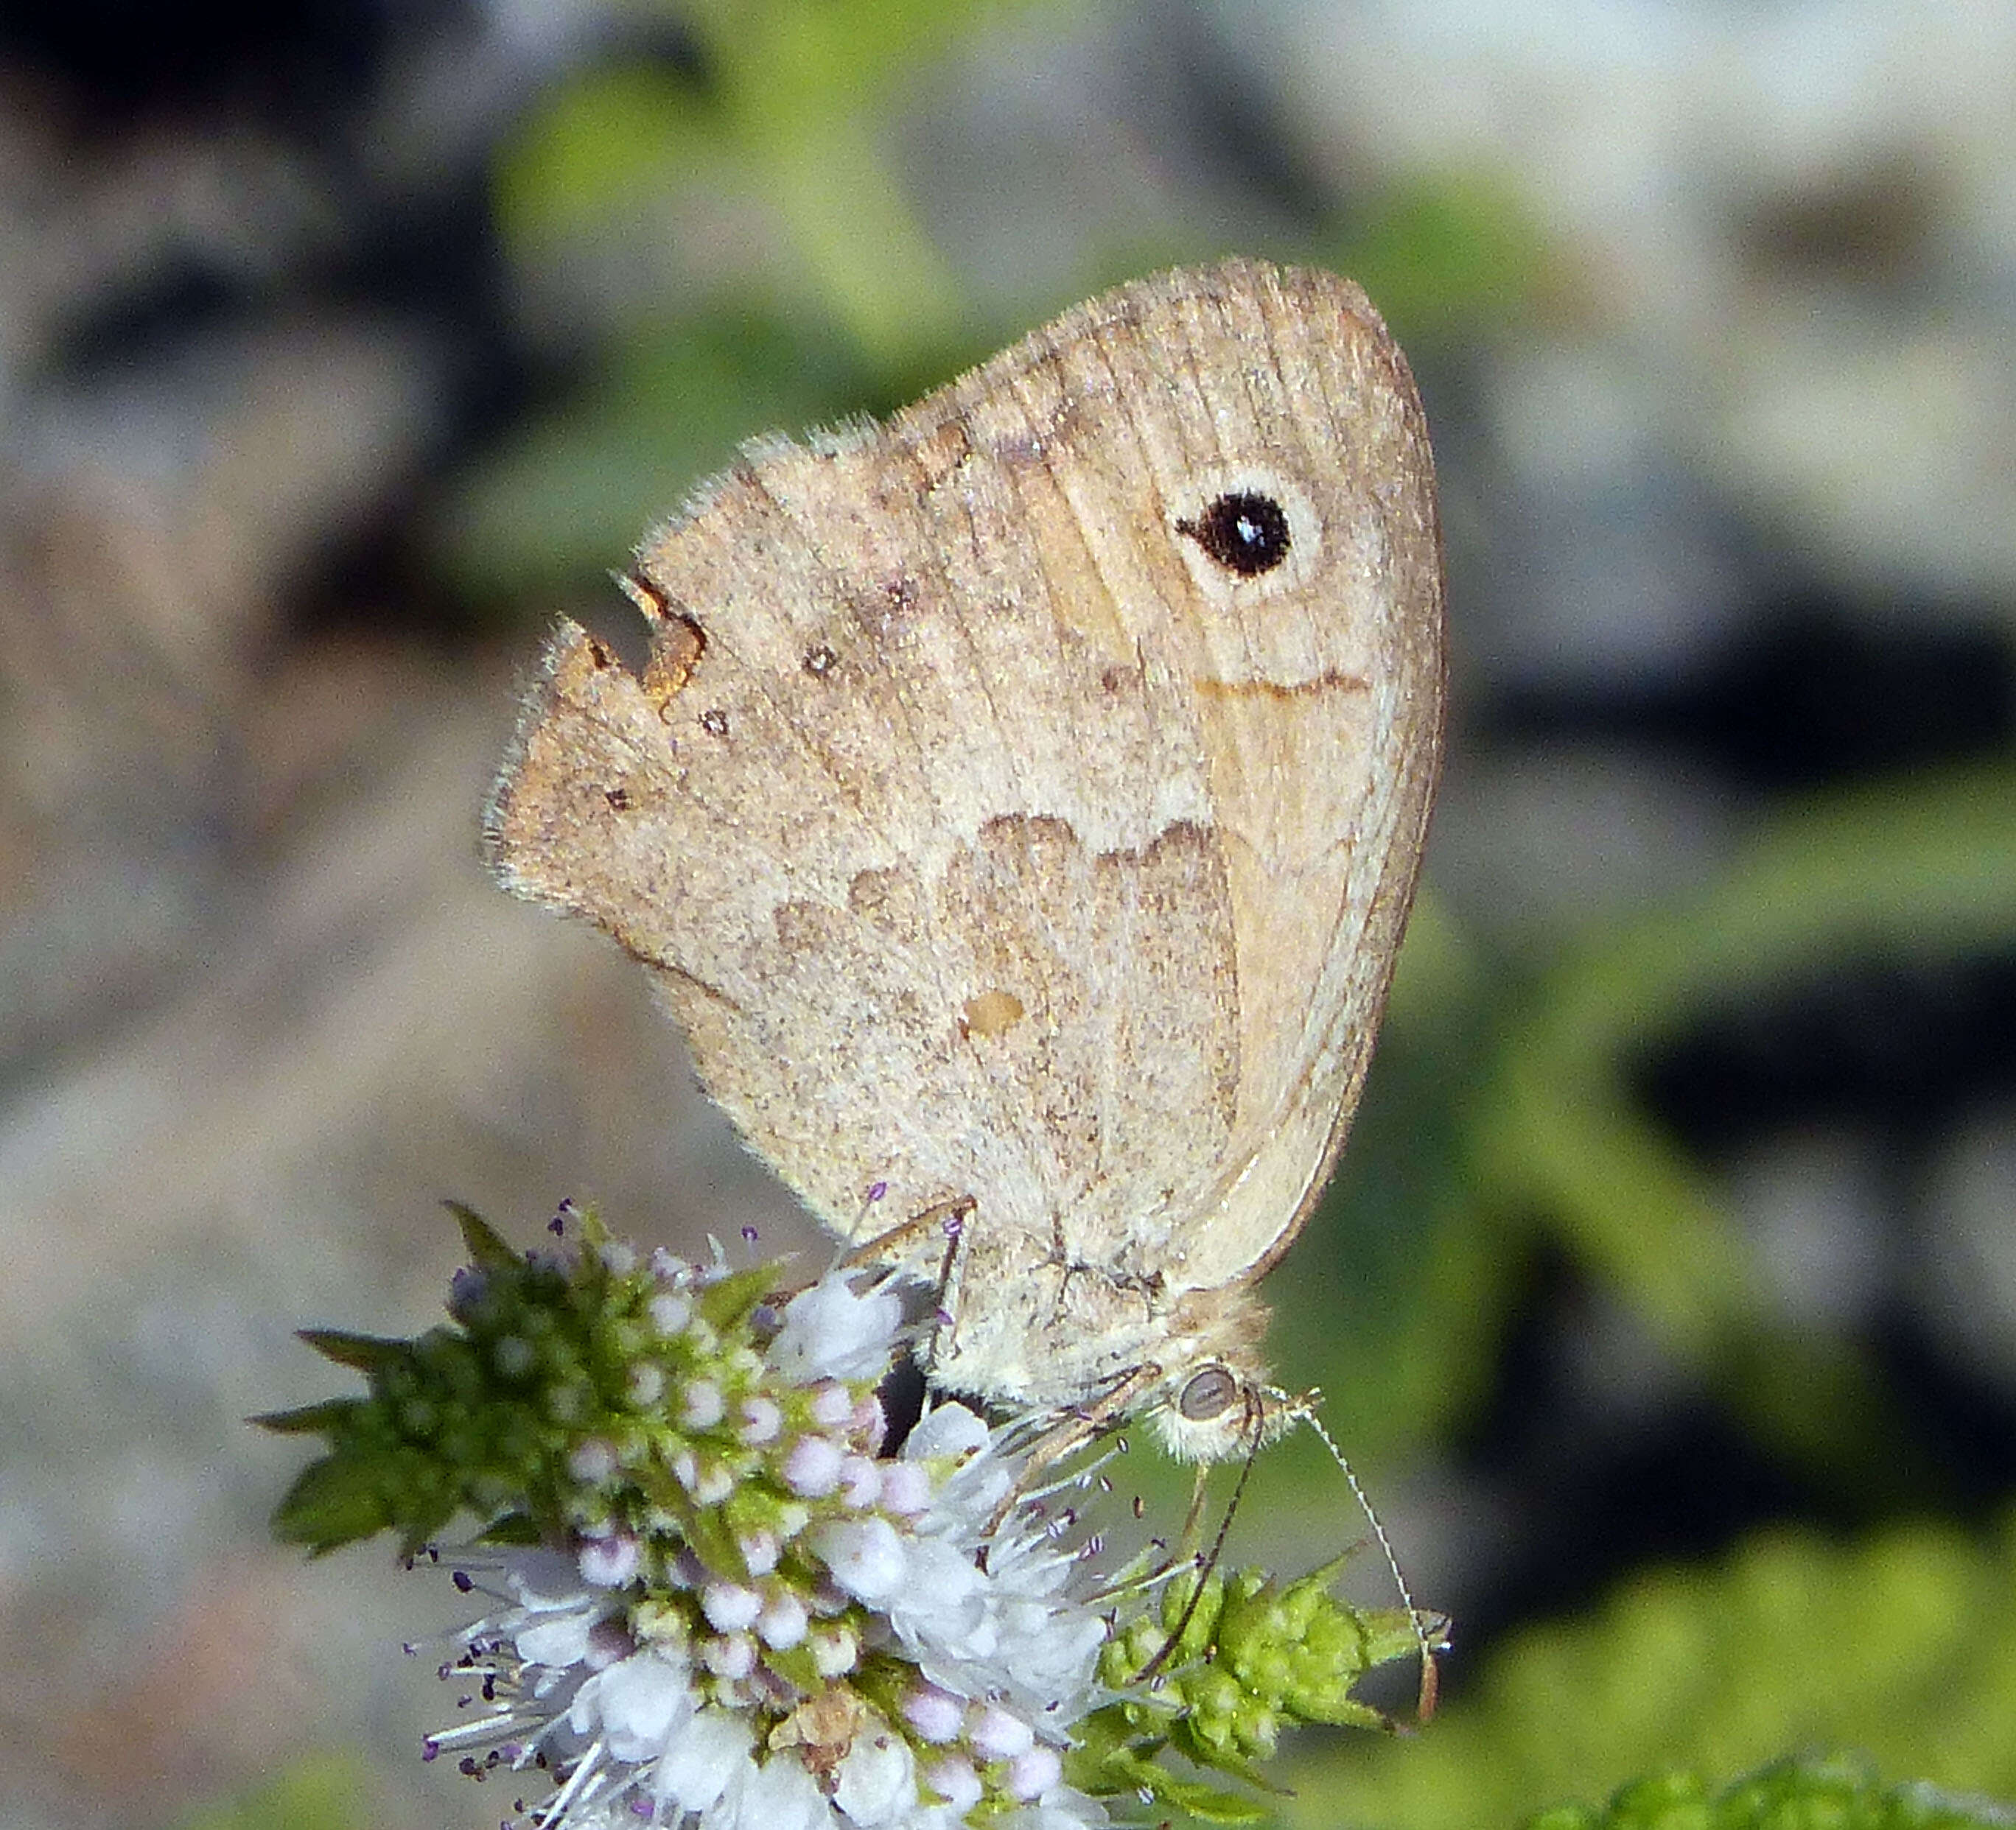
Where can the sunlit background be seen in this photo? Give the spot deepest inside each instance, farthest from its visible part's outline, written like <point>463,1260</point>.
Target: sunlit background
<point>1667,1301</point>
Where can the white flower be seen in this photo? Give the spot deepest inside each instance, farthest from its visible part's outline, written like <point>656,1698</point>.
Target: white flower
<point>945,1431</point>
<point>998,1735</point>
<point>877,1781</point>
<point>779,1794</point>
<point>865,1556</point>
<point>835,1650</point>
<point>635,1705</point>
<point>783,1623</point>
<point>812,1467</point>
<point>554,1621</point>
<point>730,1607</point>
<point>1011,1631</point>
<point>698,1767</point>
<point>701,1405</point>
<point>954,1781</point>
<point>831,1332</point>
<point>748,1614</point>
<point>719,1648</point>
<point>1061,1810</point>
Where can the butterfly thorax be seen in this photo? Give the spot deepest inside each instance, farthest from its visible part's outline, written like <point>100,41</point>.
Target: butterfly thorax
<point>1027,1331</point>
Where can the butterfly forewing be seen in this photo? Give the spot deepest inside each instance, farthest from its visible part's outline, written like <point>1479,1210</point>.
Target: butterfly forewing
<point>1023,799</point>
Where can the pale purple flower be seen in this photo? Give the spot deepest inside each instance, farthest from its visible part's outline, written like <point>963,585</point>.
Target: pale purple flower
<point>812,1470</point>
<point>997,1734</point>
<point>861,1480</point>
<point>937,1715</point>
<point>666,1679</point>
<point>833,1405</point>
<point>608,1562</point>
<point>783,1623</point>
<point>1033,1772</point>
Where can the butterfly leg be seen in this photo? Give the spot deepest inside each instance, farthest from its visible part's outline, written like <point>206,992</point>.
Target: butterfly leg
<point>1071,1432</point>
<point>949,1217</point>
<point>890,1245</point>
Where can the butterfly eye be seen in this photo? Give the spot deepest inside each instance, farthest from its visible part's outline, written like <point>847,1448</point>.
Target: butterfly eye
<point>1210,1394</point>
<point>1243,530</point>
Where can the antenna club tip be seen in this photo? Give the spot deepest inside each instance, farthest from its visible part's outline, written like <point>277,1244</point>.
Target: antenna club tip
<point>1430,1692</point>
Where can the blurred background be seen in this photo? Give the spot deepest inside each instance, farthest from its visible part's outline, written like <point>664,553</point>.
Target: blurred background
<point>1667,1299</point>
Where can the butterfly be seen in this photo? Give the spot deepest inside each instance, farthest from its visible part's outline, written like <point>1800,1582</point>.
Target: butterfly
<point>1018,812</point>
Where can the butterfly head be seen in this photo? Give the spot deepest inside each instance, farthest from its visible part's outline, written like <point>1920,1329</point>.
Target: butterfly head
<point>1215,1402</point>
<point>1217,1412</point>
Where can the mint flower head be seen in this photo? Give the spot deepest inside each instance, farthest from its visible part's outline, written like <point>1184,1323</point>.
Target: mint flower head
<point>709,1597</point>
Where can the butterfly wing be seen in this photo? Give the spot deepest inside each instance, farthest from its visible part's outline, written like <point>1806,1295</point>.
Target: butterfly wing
<point>986,834</point>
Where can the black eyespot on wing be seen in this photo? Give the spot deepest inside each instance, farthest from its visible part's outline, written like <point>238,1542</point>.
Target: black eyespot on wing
<point>1243,531</point>
<point>1208,1394</point>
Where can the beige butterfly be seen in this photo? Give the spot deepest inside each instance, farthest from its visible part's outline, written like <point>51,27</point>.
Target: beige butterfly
<point>1019,812</point>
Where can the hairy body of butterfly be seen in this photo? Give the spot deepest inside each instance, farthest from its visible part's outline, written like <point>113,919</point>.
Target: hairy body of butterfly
<point>1021,808</point>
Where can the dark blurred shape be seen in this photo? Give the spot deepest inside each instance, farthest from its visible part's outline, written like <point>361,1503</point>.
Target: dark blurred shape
<point>1902,1044</point>
<point>1605,1474</point>
<point>285,186</point>
<point>1871,225</point>
<point>306,62</point>
<point>1234,131</point>
<point>1812,693</point>
<point>1816,695</point>
<point>902,1399</point>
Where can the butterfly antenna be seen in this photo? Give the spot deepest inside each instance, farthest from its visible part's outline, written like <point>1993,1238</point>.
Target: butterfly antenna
<point>1209,1562</point>
<point>1424,1706</point>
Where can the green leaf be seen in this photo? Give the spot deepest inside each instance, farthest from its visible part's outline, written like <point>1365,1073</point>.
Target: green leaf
<point>324,1419</point>
<point>1108,1761</point>
<point>1458,253</point>
<point>333,1503</point>
<point>369,1354</point>
<point>599,147</point>
<point>728,1302</point>
<point>488,1249</point>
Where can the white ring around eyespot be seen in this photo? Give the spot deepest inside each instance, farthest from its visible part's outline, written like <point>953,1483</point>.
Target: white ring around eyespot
<point>1305,530</point>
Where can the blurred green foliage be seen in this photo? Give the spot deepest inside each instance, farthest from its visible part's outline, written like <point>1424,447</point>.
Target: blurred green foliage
<point>829,297</point>
<point>1501,1116</point>
<point>1792,1795</point>
<point>323,1792</point>
<point>1901,1647</point>
<point>568,499</point>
